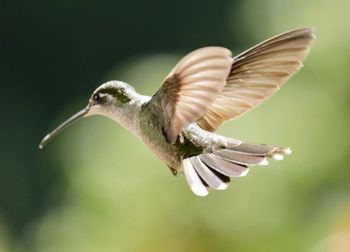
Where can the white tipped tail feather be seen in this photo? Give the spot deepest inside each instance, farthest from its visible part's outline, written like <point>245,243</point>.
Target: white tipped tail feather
<point>214,170</point>
<point>193,179</point>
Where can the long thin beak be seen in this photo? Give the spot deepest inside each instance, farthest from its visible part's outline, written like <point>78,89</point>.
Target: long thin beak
<point>71,120</point>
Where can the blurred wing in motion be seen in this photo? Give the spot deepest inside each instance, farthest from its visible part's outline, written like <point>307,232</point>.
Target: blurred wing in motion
<point>257,74</point>
<point>192,86</point>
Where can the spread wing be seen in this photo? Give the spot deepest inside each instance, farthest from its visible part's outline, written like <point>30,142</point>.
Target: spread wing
<point>192,86</point>
<point>257,74</point>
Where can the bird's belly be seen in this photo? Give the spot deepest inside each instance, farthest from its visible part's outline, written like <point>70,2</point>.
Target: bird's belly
<point>165,151</point>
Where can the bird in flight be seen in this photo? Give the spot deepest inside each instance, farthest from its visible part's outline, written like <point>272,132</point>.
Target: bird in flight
<point>207,87</point>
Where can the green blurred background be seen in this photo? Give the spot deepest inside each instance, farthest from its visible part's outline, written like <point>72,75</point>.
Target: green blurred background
<point>97,188</point>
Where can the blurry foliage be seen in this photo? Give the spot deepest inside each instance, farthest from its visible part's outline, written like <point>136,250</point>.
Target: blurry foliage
<point>98,188</point>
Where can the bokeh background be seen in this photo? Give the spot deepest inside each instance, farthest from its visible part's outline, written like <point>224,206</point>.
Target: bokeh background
<point>97,188</point>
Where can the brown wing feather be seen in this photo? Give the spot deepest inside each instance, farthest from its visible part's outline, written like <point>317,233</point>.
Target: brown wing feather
<point>192,86</point>
<point>257,74</point>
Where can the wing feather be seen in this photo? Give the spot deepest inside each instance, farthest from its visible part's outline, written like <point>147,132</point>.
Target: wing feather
<point>192,86</point>
<point>257,74</point>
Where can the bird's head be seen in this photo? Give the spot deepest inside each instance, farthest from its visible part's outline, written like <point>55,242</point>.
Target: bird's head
<point>110,99</point>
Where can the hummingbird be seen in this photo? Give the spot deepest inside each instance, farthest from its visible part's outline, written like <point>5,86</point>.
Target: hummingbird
<point>206,88</point>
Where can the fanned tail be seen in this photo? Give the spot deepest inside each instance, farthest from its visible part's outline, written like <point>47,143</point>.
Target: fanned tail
<point>213,170</point>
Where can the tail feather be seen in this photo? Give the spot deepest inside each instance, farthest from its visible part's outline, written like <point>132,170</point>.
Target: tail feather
<point>223,166</point>
<point>253,149</point>
<point>240,157</point>
<point>207,175</point>
<point>214,169</point>
<point>193,180</point>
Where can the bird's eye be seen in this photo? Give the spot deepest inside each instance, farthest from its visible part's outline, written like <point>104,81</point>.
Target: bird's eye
<point>96,97</point>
